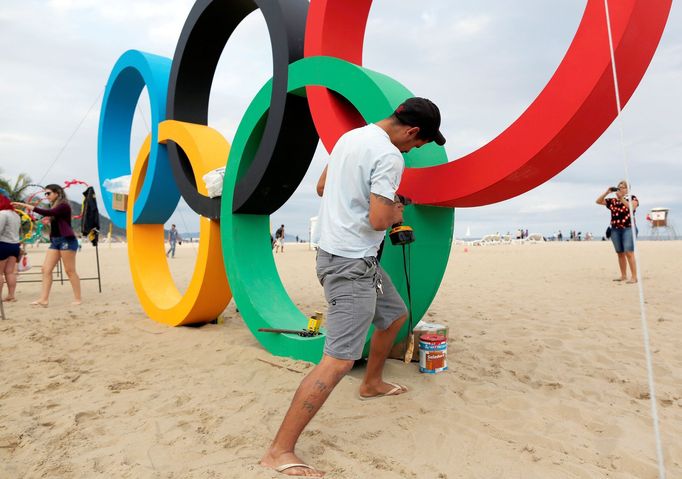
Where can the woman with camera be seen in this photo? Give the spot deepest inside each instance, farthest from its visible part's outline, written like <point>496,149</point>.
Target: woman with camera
<point>622,234</point>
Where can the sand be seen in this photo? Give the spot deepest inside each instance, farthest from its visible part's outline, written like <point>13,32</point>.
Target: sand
<point>547,378</point>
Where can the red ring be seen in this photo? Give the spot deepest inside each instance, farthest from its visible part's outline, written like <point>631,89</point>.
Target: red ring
<point>576,106</point>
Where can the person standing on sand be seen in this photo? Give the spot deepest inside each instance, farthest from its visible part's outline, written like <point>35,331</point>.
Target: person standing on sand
<point>279,239</point>
<point>358,205</point>
<point>621,228</point>
<point>172,241</point>
<point>10,225</point>
<point>63,243</point>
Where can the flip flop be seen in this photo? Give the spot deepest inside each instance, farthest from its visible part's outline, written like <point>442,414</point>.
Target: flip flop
<point>9,300</point>
<point>36,303</point>
<point>619,279</point>
<point>392,392</point>
<point>284,467</point>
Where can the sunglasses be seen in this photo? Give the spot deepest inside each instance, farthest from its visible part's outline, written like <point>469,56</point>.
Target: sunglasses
<point>48,193</point>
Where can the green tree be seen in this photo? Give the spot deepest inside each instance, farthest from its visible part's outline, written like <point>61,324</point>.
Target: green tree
<point>17,190</point>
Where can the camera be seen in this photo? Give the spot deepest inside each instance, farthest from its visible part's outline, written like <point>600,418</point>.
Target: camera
<point>613,188</point>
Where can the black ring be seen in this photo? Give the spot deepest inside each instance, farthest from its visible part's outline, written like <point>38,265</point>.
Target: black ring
<point>289,139</point>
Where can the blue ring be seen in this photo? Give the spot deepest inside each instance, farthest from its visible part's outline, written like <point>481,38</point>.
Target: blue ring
<point>133,71</point>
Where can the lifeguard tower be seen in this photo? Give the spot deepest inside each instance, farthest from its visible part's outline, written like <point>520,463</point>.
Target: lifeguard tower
<point>659,221</point>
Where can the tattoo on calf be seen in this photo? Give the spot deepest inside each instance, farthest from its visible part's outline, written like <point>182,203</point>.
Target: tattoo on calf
<point>320,386</point>
<point>308,406</point>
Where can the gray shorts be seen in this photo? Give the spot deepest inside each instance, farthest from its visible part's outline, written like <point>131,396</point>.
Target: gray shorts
<point>350,288</point>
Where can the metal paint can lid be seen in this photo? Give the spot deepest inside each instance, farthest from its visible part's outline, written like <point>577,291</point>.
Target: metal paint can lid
<point>432,338</point>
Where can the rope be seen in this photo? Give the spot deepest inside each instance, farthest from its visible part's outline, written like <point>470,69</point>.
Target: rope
<point>642,308</point>
<point>179,210</point>
<point>71,136</point>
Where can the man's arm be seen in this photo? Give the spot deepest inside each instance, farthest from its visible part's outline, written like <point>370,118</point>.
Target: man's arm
<point>321,182</point>
<point>383,213</point>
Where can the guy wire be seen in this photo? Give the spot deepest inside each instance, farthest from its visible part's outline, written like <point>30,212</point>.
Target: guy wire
<point>61,151</point>
<point>182,217</point>
<point>633,227</point>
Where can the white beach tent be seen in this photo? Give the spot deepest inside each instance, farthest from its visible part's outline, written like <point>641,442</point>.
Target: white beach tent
<point>313,232</point>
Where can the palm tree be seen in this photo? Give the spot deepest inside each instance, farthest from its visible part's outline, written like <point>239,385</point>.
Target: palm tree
<point>15,191</point>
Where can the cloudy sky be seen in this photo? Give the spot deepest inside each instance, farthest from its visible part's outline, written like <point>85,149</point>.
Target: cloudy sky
<point>482,62</point>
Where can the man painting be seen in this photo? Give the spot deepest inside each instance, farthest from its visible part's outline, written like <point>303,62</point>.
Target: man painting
<point>358,205</point>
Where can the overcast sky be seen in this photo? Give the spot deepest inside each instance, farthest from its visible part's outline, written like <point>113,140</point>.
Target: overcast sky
<point>483,62</point>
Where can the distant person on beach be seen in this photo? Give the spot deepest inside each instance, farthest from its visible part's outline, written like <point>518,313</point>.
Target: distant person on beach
<point>359,204</point>
<point>279,239</point>
<point>10,227</point>
<point>172,241</point>
<point>63,243</point>
<point>621,228</point>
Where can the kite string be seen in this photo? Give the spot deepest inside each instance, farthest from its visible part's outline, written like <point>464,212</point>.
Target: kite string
<point>642,307</point>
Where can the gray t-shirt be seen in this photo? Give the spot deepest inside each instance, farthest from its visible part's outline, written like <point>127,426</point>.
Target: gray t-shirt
<point>10,226</point>
<point>363,160</point>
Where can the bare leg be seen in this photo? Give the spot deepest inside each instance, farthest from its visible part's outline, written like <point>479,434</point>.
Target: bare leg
<point>309,398</point>
<point>3,263</point>
<point>69,260</point>
<point>622,264</point>
<point>382,342</point>
<point>51,260</point>
<point>10,270</point>
<point>630,256</point>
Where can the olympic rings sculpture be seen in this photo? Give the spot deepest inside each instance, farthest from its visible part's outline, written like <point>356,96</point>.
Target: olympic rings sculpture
<point>318,91</point>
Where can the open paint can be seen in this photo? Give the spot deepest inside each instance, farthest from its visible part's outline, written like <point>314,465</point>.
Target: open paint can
<point>433,353</point>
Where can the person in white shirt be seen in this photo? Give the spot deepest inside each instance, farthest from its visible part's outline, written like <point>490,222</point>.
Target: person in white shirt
<point>358,206</point>
<point>10,226</point>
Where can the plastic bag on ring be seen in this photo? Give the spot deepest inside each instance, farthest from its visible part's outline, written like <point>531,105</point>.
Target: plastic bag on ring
<point>120,185</point>
<point>214,182</point>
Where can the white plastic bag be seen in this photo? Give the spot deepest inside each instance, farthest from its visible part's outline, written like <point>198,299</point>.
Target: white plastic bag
<point>23,264</point>
<point>214,182</point>
<point>119,185</point>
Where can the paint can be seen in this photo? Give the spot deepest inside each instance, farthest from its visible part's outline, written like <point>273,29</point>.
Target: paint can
<point>433,353</point>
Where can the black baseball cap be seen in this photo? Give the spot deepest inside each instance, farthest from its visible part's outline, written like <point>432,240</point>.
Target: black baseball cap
<point>423,113</point>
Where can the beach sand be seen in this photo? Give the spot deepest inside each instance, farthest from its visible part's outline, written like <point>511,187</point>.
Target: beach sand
<point>547,377</point>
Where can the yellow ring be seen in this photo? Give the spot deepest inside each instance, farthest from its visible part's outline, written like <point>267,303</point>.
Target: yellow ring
<point>208,292</point>
<point>28,234</point>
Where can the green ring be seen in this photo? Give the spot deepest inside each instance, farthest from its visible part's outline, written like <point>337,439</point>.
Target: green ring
<point>256,286</point>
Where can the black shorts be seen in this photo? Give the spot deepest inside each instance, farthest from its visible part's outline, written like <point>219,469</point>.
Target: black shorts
<point>8,250</point>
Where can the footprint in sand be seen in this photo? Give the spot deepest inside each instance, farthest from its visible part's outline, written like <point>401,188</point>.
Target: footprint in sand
<point>84,416</point>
